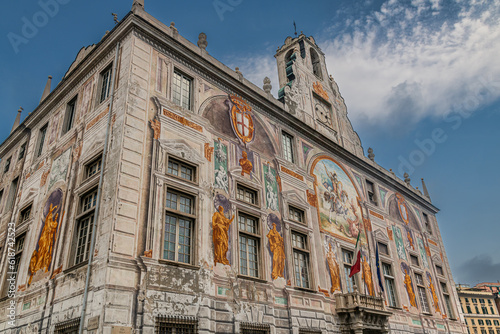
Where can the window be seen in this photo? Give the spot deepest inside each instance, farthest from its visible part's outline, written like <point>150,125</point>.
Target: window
<point>7,165</point>
<point>18,248</point>
<point>382,248</point>
<point>68,327</point>
<point>370,189</point>
<point>22,151</point>
<point>93,167</point>
<point>474,300</point>
<point>105,84</point>
<point>475,330</point>
<point>287,146</point>
<point>477,310</point>
<point>316,64</point>
<point>389,284</point>
<point>69,116</point>
<point>249,240</point>
<point>41,140</point>
<point>495,322</point>
<point>427,223</point>
<point>466,300</point>
<point>422,296</point>
<point>309,331</point>
<point>296,214</point>
<point>485,309</point>
<point>489,301</point>
<point>483,331</point>
<point>468,309</point>
<point>12,194</point>
<point>181,90</point>
<point>472,321</point>
<point>301,259</point>
<point>447,301</point>
<point>347,260</point>
<point>181,169</point>
<point>414,260</point>
<point>492,311</point>
<point>439,270</point>
<point>481,300</point>
<point>176,325</point>
<point>246,194</point>
<point>84,223</point>
<point>179,227</point>
<point>488,322</point>
<point>480,322</point>
<point>25,214</point>
<point>254,328</point>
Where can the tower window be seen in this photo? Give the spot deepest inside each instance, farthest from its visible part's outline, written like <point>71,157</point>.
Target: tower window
<point>316,64</point>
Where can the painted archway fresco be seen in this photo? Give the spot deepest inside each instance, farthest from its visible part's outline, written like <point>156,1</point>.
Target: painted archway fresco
<point>339,211</point>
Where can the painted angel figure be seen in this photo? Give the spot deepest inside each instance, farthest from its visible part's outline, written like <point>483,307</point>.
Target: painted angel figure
<point>272,198</point>
<point>221,179</point>
<point>220,155</point>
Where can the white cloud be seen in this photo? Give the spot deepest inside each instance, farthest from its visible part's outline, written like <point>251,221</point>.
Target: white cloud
<point>388,67</point>
<point>255,68</point>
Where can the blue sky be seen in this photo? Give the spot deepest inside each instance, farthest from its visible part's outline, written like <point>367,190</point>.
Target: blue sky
<point>407,69</point>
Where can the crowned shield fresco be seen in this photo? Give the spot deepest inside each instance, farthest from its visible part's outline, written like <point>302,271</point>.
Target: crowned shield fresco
<point>241,119</point>
<point>338,201</point>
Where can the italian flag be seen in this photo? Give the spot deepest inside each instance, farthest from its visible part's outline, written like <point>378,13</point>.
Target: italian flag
<point>356,268</point>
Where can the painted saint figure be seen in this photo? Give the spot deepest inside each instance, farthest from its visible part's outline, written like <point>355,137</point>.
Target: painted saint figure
<point>278,249</point>
<point>220,228</point>
<point>367,276</point>
<point>409,289</point>
<point>246,165</point>
<point>42,257</point>
<point>334,269</point>
<point>434,296</point>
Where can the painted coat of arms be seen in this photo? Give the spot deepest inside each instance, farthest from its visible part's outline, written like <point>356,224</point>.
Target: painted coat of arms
<point>241,119</point>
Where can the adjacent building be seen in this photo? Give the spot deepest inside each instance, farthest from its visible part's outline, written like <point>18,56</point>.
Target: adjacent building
<point>479,309</point>
<point>156,190</point>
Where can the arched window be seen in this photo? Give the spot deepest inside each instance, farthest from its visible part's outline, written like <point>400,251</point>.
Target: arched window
<point>316,64</point>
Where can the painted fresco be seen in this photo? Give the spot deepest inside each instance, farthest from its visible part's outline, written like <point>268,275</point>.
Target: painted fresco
<point>59,168</point>
<point>339,209</point>
<point>332,263</point>
<point>423,253</point>
<point>383,194</point>
<point>367,274</point>
<point>276,246</point>
<point>221,229</point>
<point>241,119</point>
<point>271,185</point>
<point>409,237</point>
<point>400,247</point>
<point>220,166</point>
<point>41,258</point>
<point>432,289</point>
<point>408,283</point>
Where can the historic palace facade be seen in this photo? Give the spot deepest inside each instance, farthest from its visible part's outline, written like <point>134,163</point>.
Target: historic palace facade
<point>215,207</point>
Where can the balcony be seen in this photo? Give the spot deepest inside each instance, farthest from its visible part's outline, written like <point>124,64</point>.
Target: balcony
<point>362,314</point>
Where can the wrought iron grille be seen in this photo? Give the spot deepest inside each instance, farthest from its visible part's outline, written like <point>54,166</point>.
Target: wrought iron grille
<point>67,327</point>
<point>176,325</point>
<point>253,328</point>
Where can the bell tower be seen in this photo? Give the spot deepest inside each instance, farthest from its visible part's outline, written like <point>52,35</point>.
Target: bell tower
<point>311,94</point>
